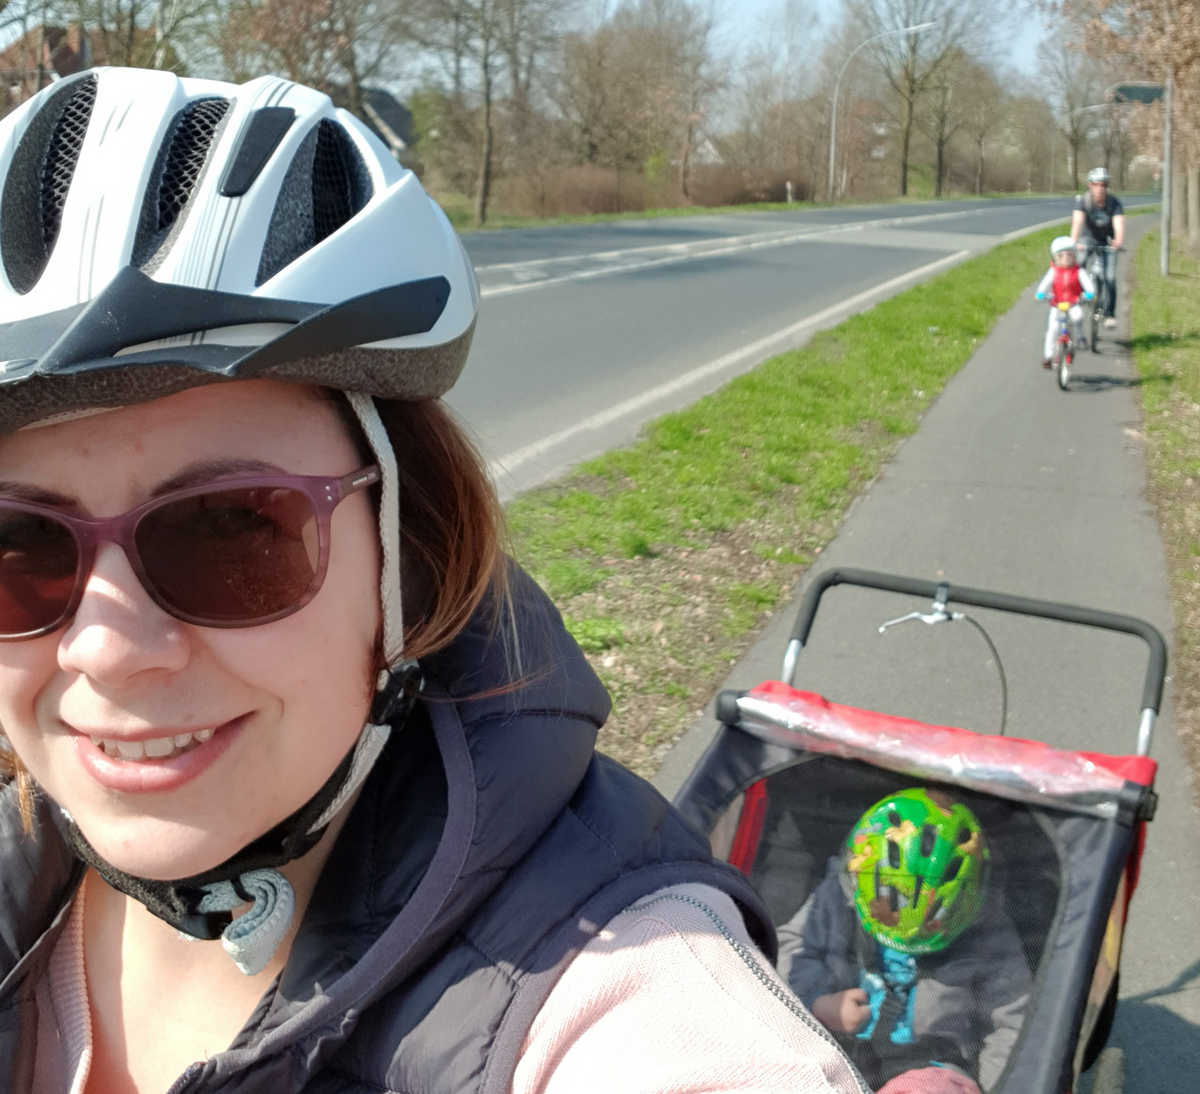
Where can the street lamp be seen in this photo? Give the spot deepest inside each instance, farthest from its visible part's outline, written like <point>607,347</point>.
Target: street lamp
<point>837,87</point>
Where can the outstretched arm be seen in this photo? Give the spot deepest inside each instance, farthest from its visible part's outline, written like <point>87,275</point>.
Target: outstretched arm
<point>1118,230</point>
<point>1077,224</point>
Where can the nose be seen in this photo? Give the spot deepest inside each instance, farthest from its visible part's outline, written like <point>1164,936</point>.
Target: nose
<point>118,632</point>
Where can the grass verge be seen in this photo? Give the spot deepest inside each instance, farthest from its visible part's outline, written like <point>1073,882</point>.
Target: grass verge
<point>667,556</point>
<point>459,209</point>
<point>1166,348</point>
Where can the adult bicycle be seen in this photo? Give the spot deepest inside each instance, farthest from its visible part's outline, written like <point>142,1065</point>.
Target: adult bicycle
<point>1097,262</point>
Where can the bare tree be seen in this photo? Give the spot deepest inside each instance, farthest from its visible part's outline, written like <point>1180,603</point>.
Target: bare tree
<point>946,106</point>
<point>912,62</point>
<point>339,46</point>
<point>138,33</point>
<point>1074,87</point>
<point>637,86</point>
<point>986,106</point>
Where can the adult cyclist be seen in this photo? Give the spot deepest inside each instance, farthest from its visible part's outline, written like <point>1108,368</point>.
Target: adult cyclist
<point>1099,218</point>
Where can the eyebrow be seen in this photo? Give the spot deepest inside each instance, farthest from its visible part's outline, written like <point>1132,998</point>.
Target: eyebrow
<point>17,491</point>
<point>192,475</point>
<point>207,470</point>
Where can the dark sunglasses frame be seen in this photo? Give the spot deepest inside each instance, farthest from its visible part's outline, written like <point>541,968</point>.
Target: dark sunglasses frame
<point>324,493</point>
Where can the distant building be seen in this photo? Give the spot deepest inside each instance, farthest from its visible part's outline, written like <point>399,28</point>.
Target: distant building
<point>38,58</point>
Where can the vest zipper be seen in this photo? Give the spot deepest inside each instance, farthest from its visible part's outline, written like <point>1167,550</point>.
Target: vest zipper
<point>786,998</point>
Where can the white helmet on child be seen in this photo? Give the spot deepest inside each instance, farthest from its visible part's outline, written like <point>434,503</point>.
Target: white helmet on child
<point>1061,244</point>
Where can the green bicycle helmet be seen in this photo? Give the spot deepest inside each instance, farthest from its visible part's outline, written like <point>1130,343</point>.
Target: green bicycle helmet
<point>917,864</point>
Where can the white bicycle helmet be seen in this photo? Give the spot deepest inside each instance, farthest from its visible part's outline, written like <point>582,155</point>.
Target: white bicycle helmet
<point>159,233</point>
<point>1098,174</point>
<point>1062,243</point>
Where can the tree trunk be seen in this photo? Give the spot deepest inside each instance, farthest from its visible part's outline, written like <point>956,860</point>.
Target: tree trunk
<point>979,168</point>
<point>1193,207</point>
<point>485,154</point>
<point>1179,218</point>
<point>684,162</point>
<point>905,140</point>
<point>940,169</point>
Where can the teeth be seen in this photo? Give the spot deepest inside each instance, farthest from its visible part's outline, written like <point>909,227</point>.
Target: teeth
<point>154,749</point>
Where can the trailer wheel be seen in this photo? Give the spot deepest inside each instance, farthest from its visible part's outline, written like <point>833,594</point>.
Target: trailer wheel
<point>1103,1026</point>
<point>1110,1072</point>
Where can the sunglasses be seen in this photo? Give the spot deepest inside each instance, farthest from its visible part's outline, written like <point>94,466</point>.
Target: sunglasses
<point>235,552</point>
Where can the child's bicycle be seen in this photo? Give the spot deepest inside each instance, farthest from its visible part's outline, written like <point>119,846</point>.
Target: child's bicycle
<point>1064,346</point>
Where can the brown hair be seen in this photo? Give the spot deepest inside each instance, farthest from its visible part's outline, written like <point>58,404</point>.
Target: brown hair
<point>451,524</point>
<point>451,531</point>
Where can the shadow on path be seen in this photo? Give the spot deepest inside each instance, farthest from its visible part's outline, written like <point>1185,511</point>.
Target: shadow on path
<point>1160,1046</point>
<point>1092,383</point>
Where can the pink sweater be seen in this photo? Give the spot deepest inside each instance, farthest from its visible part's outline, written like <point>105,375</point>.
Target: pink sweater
<point>670,998</point>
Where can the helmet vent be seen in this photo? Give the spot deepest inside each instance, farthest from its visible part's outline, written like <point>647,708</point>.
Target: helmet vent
<point>181,159</point>
<point>326,185</point>
<point>39,177</point>
<point>66,140</point>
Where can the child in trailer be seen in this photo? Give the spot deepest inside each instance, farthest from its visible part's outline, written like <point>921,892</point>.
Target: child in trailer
<point>899,954</point>
<point>1066,282</point>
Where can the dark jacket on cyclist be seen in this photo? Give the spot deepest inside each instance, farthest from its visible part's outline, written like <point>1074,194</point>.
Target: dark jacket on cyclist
<point>1098,220</point>
<point>489,844</point>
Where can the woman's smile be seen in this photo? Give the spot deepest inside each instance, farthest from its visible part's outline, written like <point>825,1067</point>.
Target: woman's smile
<point>153,761</point>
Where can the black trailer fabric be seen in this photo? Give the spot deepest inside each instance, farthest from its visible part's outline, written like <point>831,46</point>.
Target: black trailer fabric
<point>1005,1000</point>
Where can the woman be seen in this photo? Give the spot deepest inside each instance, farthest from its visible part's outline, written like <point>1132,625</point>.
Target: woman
<point>266,678</point>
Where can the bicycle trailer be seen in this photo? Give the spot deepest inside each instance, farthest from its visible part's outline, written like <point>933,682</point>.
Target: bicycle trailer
<point>806,797</point>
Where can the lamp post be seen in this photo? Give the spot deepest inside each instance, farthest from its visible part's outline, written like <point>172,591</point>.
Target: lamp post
<point>837,88</point>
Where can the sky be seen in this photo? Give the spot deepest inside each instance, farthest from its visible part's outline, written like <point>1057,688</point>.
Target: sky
<point>1020,53</point>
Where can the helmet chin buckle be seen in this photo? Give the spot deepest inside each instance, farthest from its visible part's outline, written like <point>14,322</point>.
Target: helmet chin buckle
<point>396,694</point>
<point>201,907</point>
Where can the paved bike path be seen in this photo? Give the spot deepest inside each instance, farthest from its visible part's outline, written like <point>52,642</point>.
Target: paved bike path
<point>1013,485</point>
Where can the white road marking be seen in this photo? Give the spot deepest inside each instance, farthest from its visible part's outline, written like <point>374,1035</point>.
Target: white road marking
<point>1033,228</point>
<point>751,353</point>
<point>642,258</point>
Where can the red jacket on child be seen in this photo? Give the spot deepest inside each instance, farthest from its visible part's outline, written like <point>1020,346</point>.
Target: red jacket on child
<point>1067,288</point>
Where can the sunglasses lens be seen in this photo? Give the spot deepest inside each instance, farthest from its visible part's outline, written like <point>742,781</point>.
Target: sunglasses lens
<point>231,556</point>
<point>39,561</point>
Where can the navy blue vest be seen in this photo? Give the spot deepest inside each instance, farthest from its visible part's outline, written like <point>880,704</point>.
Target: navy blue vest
<point>489,845</point>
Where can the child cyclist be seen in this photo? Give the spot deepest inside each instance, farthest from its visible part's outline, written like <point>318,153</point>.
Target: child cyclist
<point>1065,282</point>
<point>900,955</point>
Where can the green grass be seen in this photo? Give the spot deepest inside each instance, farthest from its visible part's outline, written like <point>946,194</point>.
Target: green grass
<point>1166,348</point>
<point>803,431</point>
<point>459,209</point>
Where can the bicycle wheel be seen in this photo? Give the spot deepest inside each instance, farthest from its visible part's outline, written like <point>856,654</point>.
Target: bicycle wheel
<point>1062,363</point>
<point>1097,322</point>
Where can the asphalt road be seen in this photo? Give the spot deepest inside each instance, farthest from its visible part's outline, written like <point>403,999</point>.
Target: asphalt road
<point>586,332</point>
<point>1013,485</point>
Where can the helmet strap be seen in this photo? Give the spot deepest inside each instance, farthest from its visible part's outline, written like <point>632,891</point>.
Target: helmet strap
<point>201,907</point>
